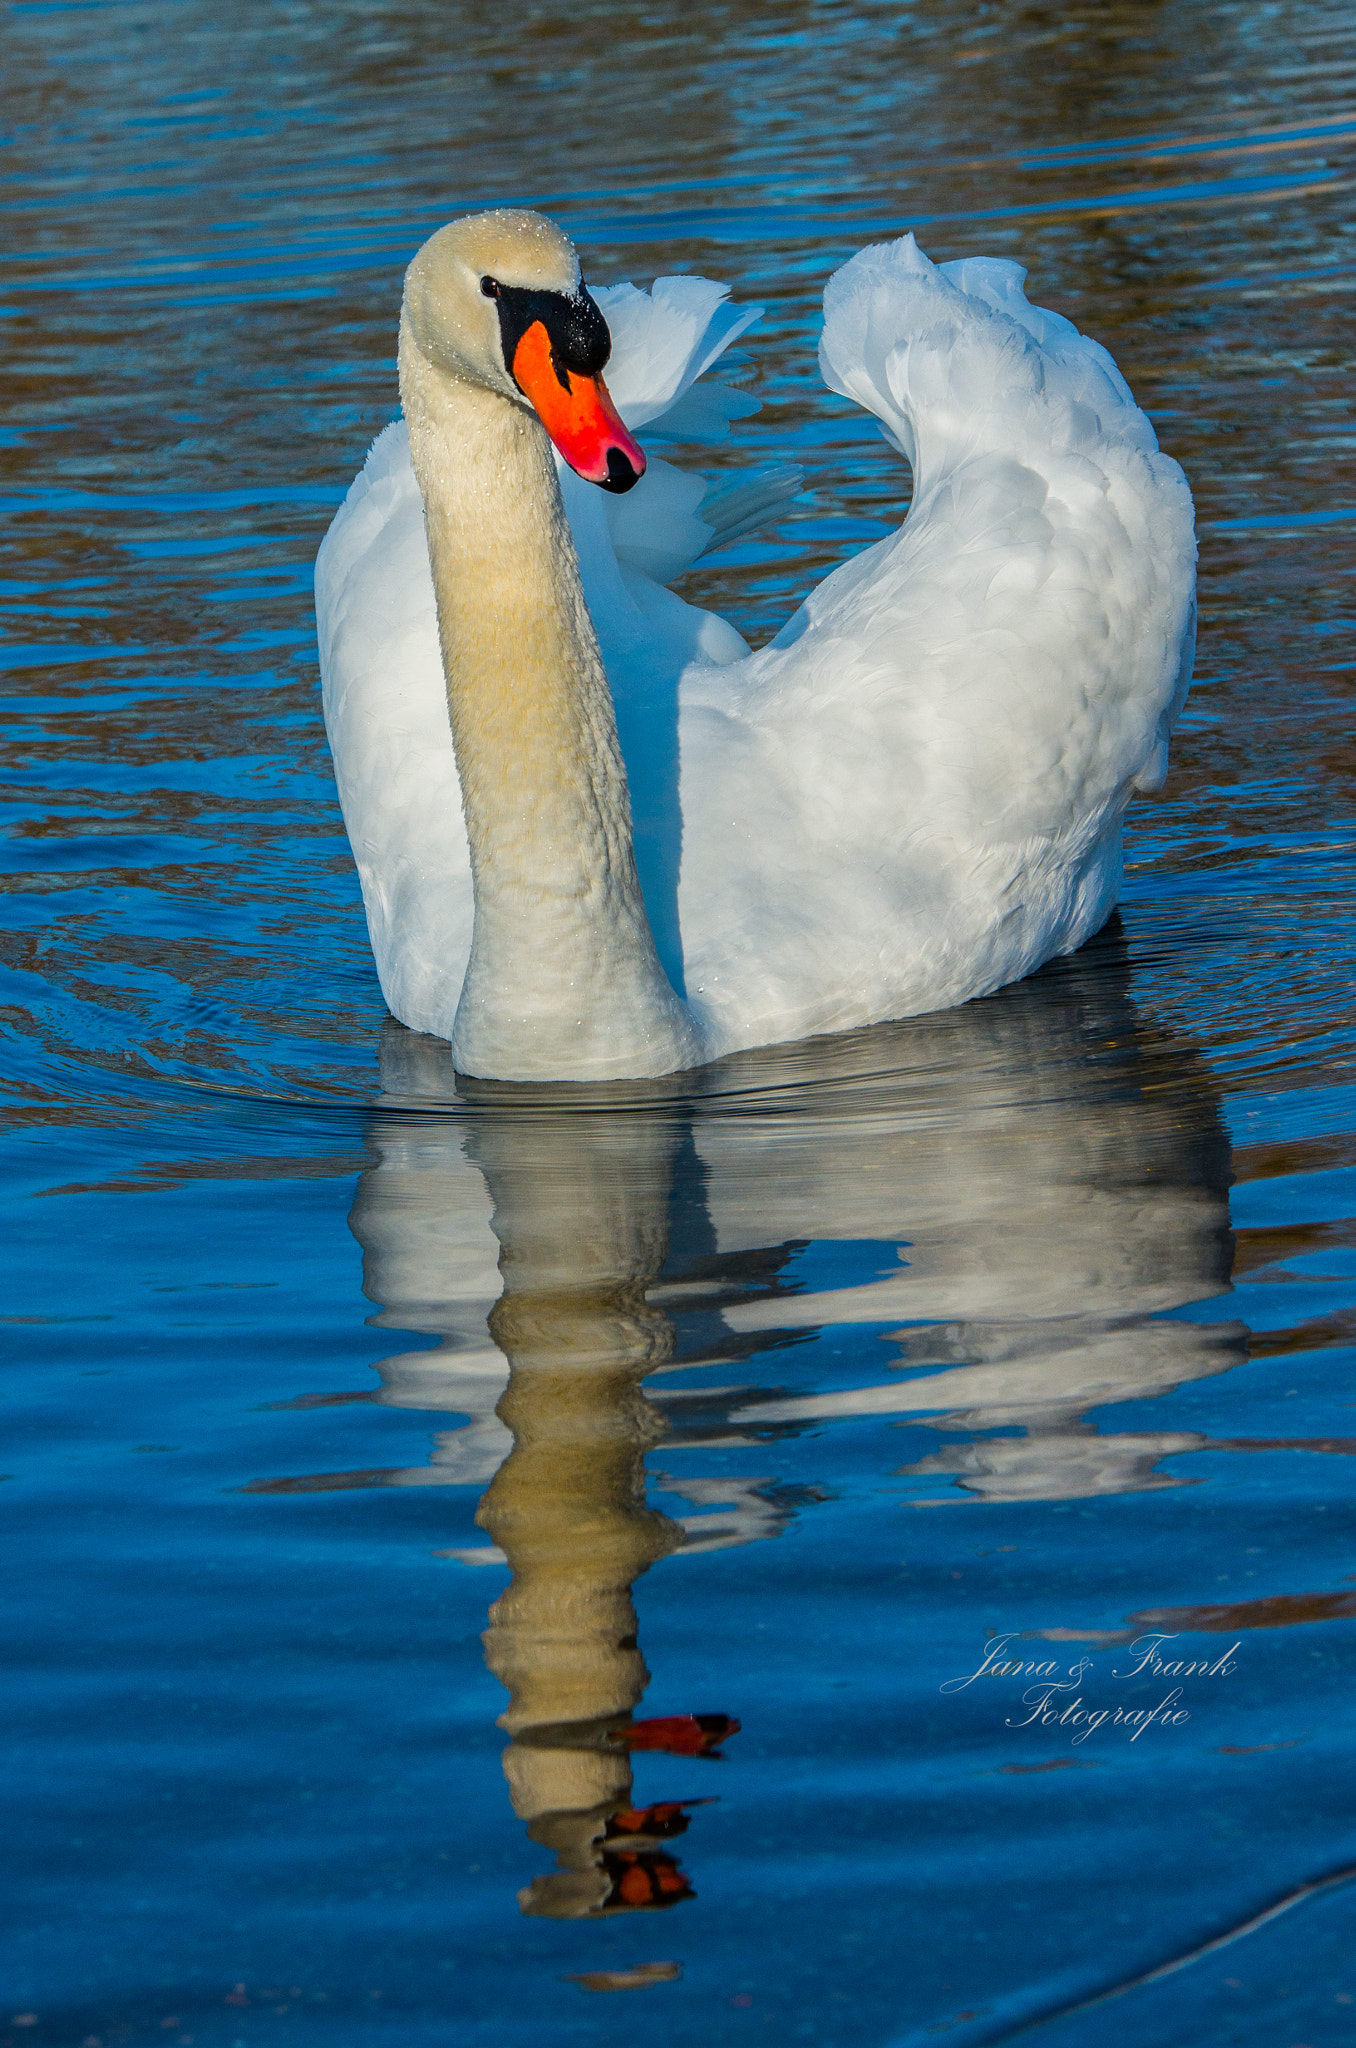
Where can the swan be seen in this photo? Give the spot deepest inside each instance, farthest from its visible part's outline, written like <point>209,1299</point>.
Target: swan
<point>600,837</point>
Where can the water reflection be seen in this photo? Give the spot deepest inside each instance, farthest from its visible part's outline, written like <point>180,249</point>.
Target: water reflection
<point>1010,1198</point>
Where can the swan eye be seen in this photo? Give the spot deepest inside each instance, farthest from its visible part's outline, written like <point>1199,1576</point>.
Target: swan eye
<point>490,287</point>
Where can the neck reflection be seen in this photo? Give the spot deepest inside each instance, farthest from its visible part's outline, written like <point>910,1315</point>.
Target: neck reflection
<point>581,1214</point>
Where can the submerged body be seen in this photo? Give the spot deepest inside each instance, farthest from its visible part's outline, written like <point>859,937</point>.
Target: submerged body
<point>914,795</point>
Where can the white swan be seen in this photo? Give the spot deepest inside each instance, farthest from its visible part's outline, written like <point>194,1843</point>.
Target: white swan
<point>914,795</point>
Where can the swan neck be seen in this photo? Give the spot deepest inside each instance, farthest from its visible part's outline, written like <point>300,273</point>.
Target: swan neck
<point>563,980</point>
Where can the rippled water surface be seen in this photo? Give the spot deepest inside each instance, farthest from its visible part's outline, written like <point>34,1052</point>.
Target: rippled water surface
<point>487,1564</point>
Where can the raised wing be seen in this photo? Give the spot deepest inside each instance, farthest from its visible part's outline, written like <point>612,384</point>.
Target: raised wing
<point>915,793</point>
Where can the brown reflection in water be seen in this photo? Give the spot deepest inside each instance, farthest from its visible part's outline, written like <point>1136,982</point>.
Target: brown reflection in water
<point>581,1214</point>
<point>638,1979</point>
<point>1281,1610</point>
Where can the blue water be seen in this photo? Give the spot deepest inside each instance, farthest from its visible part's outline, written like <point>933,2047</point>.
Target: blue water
<point>813,1376</point>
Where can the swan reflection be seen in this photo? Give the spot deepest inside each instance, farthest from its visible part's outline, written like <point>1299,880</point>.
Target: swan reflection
<point>1011,1198</point>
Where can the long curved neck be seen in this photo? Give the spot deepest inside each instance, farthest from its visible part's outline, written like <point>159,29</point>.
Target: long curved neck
<point>563,980</point>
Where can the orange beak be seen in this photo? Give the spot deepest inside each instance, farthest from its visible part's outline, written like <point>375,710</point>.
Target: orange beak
<point>578,415</point>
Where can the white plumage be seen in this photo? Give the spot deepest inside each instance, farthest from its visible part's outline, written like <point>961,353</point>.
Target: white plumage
<point>915,794</point>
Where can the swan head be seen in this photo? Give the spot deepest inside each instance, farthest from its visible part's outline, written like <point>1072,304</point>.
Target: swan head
<point>498,299</point>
